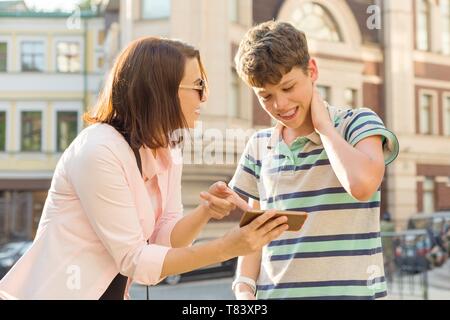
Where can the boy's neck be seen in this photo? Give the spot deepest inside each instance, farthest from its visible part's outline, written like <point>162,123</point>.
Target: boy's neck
<point>290,134</point>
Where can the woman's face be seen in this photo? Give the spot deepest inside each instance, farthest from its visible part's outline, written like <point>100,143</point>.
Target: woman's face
<point>190,92</point>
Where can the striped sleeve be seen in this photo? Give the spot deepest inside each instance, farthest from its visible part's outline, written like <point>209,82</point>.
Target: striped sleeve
<point>365,123</point>
<point>246,176</point>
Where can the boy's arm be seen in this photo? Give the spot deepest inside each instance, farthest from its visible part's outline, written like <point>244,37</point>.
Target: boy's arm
<point>360,169</point>
<point>248,266</point>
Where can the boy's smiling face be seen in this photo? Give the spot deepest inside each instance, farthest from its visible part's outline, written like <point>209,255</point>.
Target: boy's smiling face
<point>289,101</point>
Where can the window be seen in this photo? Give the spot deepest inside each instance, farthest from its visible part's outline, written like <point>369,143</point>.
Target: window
<point>235,96</point>
<point>31,132</point>
<point>68,57</point>
<point>100,62</point>
<point>423,25</point>
<point>428,195</point>
<point>447,115</point>
<point>32,56</point>
<point>445,14</point>
<point>316,22</point>
<point>2,130</point>
<point>21,214</point>
<point>101,38</point>
<point>67,129</point>
<point>324,93</point>
<point>155,9</point>
<point>351,98</point>
<point>3,56</point>
<point>426,103</point>
<point>233,10</point>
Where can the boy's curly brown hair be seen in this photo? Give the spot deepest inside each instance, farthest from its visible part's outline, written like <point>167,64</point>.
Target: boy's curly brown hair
<point>270,50</point>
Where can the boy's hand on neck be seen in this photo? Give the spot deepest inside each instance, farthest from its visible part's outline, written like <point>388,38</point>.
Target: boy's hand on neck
<point>319,113</point>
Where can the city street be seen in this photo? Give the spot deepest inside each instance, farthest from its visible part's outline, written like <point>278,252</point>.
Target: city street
<point>438,285</point>
<point>217,289</point>
<point>220,289</point>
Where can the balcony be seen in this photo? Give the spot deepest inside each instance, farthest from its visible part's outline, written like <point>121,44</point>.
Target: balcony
<point>18,83</point>
<point>11,162</point>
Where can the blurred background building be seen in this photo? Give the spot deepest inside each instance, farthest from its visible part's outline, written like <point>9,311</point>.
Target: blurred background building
<point>391,56</point>
<point>51,67</point>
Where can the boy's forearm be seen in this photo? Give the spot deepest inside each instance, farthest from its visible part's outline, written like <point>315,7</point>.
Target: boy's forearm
<point>352,167</point>
<point>248,266</point>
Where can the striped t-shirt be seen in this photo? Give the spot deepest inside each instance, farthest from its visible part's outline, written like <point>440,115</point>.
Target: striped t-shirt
<point>337,254</point>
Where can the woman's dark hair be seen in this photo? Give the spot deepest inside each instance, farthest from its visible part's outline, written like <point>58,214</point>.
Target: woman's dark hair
<point>140,98</point>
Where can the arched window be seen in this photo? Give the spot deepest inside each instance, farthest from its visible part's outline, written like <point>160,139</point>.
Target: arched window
<point>316,22</point>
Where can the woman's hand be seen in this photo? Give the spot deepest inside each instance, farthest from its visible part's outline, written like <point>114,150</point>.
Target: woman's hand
<point>220,200</point>
<point>255,235</point>
<point>237,242</point>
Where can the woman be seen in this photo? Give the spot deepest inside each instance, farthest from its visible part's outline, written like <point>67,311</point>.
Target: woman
<point>103,220</point>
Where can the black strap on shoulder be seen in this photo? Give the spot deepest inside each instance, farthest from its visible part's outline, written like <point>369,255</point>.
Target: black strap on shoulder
<point>138,159</point>
<point>135,151</point>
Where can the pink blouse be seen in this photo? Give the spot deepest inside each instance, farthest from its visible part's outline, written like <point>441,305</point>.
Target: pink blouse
<point>97,219</point>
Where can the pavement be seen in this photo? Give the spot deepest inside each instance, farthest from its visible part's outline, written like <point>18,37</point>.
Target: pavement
<point>215,289</point>
<point>220,289</point>
<point>438,286</point>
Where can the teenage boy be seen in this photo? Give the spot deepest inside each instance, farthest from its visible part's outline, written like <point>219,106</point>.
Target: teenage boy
<point>325,160</point>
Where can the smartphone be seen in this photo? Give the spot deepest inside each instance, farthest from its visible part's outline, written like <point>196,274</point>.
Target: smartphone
<point>296,219</point>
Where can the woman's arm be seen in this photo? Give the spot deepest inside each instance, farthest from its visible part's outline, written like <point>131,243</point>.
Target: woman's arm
<point>97,177</point>
<point>217,204</point>
<point>248,266</point>
<point>188,228</point>
<point>237,242</point>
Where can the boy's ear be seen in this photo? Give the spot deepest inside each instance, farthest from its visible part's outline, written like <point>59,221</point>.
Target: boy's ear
<point>313,70</point>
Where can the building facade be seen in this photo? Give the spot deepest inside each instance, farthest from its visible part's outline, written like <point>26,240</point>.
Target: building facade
<point>390,56</point>
<point>51,68</point>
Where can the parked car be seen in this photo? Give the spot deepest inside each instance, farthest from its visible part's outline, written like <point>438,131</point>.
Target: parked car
<point>411,249</point>
<point>10,253</point>
<point>218,270</point>
<point>438,227</point>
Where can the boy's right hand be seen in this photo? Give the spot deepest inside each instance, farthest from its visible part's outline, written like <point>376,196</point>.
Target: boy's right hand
<point>255,235</point>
